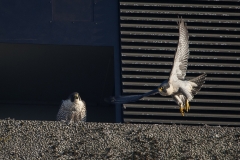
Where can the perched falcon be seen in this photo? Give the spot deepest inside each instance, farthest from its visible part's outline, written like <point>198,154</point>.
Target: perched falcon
<point>72,109</point>
<point>181,90</point>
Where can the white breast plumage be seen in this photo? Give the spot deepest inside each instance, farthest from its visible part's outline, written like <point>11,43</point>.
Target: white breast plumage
<point>72,111</point>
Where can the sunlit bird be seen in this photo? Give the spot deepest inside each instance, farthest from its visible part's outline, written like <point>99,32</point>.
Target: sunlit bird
<point>181,90</point>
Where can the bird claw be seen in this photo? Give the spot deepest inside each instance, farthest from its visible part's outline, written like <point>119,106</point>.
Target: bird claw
<point>187,106</point>
<point>182,110</point>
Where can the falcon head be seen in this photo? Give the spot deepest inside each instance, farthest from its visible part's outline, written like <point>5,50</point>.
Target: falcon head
<point>74,97</point>
<point>163,88</point>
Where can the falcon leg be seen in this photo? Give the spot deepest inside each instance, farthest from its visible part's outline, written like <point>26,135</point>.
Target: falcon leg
<point>180,103</point>
<point>187,106</point>
<point>182,110</point>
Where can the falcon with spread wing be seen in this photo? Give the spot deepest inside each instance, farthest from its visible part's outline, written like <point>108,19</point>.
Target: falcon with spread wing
<point>73,109</point>
<point>181,90</point>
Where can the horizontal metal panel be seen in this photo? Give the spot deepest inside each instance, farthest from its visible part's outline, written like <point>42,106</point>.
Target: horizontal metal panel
<point>189,64</point>
<point>217,101</point>
<point>188,71</point>
<point>179,12</point>
<point>222,79</point>
<point>152,26</point>
<point>179,114</point>
<point>198,100</point>
<point>134,40</point>
<point>148,33</point>
<point>213,108</point>
<point>216,50</point>
<point>130,18</point>
<point>199,93</point>
<point>157,84</point>
<point>149,55</point>
<point>172,121</point>
<point>172,5</point>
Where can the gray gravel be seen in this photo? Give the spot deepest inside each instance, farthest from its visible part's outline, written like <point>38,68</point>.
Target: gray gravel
<point>59,140</point>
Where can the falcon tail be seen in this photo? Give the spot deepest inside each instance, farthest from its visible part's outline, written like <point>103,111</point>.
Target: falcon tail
<point>130,98</point>
<point>199,82</point>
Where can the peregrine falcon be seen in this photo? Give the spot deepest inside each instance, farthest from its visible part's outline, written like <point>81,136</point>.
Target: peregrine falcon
<point>181,90</point>
<point>72,109</point>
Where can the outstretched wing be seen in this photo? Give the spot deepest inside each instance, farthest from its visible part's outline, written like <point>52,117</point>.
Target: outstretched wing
<point>130,98</point>
<point>180,63</point>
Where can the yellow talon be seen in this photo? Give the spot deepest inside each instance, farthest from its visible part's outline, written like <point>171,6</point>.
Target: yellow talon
<point>181,110</point>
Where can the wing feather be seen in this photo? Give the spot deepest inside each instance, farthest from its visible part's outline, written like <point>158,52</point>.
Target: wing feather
<point>180,63</point>
<point>130,98</point>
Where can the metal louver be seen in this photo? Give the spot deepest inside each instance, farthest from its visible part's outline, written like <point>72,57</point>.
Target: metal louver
<point>149,37</point>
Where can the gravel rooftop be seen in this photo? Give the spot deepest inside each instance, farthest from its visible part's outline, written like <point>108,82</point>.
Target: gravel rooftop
<point>58,140</point>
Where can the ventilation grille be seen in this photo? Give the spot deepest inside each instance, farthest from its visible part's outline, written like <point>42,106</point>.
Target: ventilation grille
<point>149,36</point>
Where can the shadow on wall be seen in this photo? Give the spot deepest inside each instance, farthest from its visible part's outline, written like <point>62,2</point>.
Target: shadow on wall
<point>35,78</point>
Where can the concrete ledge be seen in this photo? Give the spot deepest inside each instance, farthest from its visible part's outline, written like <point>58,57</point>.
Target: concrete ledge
<point>58,140</point>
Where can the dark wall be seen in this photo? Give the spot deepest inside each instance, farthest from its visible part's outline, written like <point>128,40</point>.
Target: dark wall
<point>61,25</point>
<point>74,22</point>
<point>47,73</point>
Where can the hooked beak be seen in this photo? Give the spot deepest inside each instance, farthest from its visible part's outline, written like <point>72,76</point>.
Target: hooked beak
<point>160,89</point>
